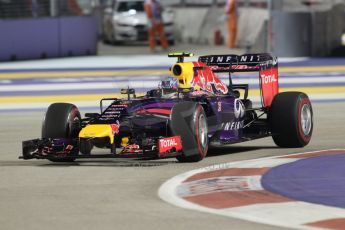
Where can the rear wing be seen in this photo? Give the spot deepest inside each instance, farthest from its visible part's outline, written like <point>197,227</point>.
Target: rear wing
<point>265,64</point>
<point>239,63</point>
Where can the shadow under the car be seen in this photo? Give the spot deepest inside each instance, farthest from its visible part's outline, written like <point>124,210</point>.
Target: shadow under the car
<point>227,150</point>
<point>212,152</point>
<point>91,163</point>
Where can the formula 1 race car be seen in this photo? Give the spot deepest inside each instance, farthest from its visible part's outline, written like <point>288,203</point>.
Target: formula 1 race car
<point>182,117</point>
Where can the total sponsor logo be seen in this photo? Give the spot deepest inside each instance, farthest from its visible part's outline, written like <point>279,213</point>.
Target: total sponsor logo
<point>235,125</point>
<point>166,144</point>
<point>267,79</point>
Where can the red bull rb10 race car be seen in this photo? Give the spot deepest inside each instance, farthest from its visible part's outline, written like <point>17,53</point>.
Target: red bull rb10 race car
<point>182,117</point>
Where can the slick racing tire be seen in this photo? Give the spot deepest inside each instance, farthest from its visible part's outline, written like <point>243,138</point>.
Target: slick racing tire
<point>62,120</point>
<point>291,120</point>
<point>189,121</point>
<point>85,146</point>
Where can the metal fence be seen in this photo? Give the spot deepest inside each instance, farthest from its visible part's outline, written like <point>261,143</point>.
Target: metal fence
<point>14,9</point>
<point>10,9</point>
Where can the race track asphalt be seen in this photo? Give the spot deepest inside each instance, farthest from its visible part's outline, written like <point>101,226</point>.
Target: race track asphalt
<point>121,194</point>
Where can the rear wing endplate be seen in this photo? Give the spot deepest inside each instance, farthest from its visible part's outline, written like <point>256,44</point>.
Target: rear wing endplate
<point>265,64</point>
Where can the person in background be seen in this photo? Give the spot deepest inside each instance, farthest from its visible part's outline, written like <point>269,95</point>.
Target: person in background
<point>74,7</point>
<point>154,9</point>
<point>231,12</point>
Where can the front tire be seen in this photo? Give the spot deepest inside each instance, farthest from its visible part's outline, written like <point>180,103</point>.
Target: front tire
<point>62,120</point>
<point>291,120</point>
<point>189,121</point>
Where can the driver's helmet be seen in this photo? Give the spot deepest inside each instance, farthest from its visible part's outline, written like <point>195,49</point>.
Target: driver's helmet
<point>169,84</point>
<point>169,87</point>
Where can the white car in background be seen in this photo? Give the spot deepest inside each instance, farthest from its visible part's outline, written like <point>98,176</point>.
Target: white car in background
<point>126,21</point>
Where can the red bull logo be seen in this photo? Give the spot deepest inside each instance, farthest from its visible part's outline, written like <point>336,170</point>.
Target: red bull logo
<point>115,128</point>
<point>205,79</point>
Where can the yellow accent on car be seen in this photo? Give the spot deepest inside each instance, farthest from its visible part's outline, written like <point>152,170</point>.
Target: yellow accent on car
<point>180,54</point>
<point>184,73</point>
<point>124,141</point>
<point>97,131</point>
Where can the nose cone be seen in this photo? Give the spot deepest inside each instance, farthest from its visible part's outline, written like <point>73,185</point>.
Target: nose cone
<point>97,131</point>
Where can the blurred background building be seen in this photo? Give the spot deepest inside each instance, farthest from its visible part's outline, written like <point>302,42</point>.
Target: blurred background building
<point>56,28</point>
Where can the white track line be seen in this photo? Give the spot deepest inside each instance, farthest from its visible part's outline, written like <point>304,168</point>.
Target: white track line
<point>146,84</point>
<point>106,62</point>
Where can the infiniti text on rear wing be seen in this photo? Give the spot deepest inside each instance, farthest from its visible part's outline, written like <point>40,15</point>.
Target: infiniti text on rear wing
<point>265,64</point>
<point>239,63</point>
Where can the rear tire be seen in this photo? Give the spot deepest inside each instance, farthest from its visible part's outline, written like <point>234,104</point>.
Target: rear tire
<point>291,120</point>
<point>189,121</point>
<point>62,120</point>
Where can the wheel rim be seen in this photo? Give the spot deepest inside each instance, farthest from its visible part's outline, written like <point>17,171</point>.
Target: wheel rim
<point>203,130</point>
<point>306,119</point>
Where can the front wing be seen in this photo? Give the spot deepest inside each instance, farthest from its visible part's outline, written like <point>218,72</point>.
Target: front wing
<point>55,149</point>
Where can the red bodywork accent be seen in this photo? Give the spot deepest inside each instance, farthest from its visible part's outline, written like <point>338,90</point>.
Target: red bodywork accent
<point>266,64</point>
<point>132,149</point>
<point>169,143</point>
<point>236,68</point>
<point>160,111</point>
<point>115,128</point>
<point>205,78</point>
<point>269,85</point>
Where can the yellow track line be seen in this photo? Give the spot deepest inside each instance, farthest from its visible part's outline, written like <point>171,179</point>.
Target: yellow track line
<point>97,97</point>
<point>92,73</point>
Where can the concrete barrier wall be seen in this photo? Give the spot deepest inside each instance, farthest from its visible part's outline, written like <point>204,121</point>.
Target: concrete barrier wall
<point>78,36</point>
<point>188,23</point>
<point>47,37</point>
<point>307,33</point>
<point>292,34</point>
<point>250,25</point>
<point>327,29</point>
<point>198,24</point>
<point>28,39</point>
